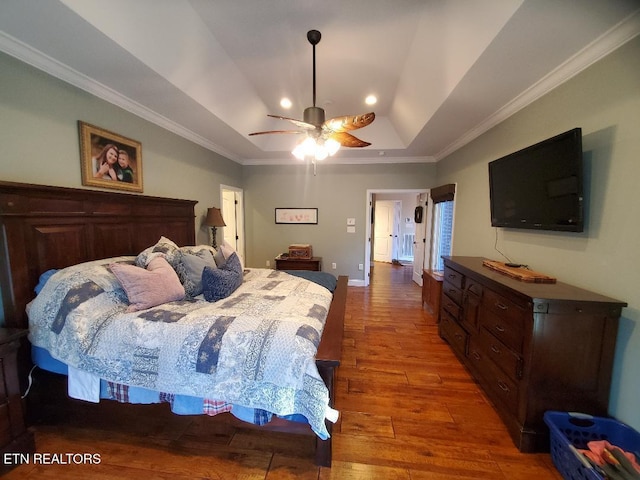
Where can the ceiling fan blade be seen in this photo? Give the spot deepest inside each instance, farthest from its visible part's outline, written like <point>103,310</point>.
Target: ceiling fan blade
<point>348,140</point>
<point>349,122</point>
<point>298,123</point>
<point>276,131</point>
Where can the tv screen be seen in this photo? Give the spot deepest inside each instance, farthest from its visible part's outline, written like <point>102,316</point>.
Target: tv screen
<point>539,187</point>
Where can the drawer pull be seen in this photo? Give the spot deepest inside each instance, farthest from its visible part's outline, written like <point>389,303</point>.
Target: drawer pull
<point>451,275</point>
<point>458,336</point>
<point>501,306</point>
<point>495,349</point>
<point>503,386</point>
<point>499,328</point>
<point>475,355</point>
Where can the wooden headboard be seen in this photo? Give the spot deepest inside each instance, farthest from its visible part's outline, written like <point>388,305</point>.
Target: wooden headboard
<point>45,227</point>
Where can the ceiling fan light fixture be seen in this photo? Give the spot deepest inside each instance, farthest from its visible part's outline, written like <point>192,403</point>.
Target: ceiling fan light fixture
<point>321,152</point>
<point>322,137</point>
<point>298,152</point>
<point>317,149</point>
<point>306,148</point>
<point>332,146</point>
<point>285,103</point>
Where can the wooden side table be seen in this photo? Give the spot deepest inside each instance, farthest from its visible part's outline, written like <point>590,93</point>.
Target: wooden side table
<point>288,263</point>
<point>14,436</point>
<point>432,291</point>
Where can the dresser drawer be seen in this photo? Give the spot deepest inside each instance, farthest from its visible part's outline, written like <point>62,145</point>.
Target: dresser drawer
<point>508,331</point>
<point>450,307</point>
<point>453,333</point>
<point>504,389</point>
<point>500,354</point>
<point>504,307</point>
<point>474,287</point>
<point>479,361</point>
<point>497,384</point>
<point>453,277</point>
<point>504,319</point>
<point>453,292</point>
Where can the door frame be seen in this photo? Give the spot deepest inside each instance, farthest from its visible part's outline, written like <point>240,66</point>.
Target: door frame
<point>239,217</point>
<point>369,207</point>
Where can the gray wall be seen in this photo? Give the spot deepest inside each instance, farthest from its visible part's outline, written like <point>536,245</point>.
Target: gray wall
<point>605,101</point>
<point>338,191</point>
<point>39,138</point>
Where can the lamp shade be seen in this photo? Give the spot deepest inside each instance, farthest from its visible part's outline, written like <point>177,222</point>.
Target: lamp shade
<point>214,218</point>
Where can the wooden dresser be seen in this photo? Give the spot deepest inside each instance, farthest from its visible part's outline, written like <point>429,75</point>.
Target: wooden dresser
<point>532,347</point>
<point>14,435</point>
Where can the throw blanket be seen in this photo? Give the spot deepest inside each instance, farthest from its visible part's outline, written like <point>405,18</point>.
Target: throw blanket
<point>255,348</point>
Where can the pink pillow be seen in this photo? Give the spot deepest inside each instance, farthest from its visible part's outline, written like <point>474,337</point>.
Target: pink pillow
<point>148,288</point>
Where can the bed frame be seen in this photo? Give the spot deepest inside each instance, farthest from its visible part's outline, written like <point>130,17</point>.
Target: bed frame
<point>44,227</point>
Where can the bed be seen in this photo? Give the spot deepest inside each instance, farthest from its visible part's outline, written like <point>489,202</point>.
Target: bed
<point>52,229</point>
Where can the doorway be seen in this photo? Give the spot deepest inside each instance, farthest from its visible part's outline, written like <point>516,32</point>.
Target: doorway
<point>399,235</point>
<point>232,201</point>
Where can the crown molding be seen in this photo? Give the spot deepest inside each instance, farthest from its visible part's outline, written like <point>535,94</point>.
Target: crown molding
<point>608,42</point>
<point>604,45</point>
<point>37,59</point>
<point>381,159</point>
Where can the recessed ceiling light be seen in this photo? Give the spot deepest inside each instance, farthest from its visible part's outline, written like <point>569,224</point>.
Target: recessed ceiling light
<point>285,103</point>
<point>371,100</point>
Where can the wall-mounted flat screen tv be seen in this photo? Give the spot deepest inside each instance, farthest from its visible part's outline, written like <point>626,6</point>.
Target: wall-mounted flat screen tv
<point>540,187</point>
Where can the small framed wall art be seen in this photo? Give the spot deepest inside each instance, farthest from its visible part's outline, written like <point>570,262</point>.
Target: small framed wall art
<point>304,216</point>
<point>109,160</point>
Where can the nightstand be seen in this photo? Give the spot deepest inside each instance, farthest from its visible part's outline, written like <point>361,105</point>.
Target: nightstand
<point>14,436</point>
<point>288,263</point>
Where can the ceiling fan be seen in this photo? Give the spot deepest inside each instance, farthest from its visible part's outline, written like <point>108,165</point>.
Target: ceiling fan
<point>323,137</point>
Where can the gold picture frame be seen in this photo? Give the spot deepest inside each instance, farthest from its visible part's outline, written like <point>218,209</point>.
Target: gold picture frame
<point>99,168</point>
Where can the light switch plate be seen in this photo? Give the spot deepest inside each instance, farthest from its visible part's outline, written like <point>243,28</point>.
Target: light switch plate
<point>351,221</point>
<point>351,229</point>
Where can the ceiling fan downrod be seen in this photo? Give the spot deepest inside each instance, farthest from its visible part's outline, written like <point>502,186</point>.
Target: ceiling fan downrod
<point>314,115</point>
<point>316,128</point>
<point>314,37</point>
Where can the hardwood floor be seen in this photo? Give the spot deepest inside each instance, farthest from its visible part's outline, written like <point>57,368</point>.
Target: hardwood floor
<point>409,411</point>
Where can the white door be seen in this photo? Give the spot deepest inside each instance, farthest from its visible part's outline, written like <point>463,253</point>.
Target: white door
<point>232,213</point>
<point>383,237</point>
<point>420,242</point>
<point>397,214</point>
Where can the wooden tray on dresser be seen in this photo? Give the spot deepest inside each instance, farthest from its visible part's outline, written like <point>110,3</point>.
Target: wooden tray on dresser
<point>519,273</point>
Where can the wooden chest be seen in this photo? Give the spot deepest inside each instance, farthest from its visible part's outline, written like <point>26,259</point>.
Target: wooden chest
<point>303,251</point>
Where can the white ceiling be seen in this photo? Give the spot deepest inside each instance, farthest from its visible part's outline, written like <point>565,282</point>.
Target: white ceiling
<point>444,71</point>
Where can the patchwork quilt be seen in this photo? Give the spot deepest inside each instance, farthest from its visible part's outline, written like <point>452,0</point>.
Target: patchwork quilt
<point>254,349</point>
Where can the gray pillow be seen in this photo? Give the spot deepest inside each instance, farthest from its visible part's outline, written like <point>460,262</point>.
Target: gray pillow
<point>189,267</point>
<point>164,248</point>
<point>221,282</point>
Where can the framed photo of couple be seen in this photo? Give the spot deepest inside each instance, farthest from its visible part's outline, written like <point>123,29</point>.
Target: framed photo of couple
<point>109,160</point>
